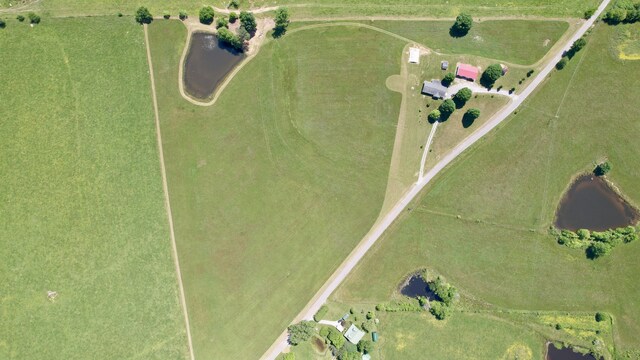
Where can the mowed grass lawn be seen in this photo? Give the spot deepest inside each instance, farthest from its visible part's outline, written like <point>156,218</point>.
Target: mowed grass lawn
<point>521,42</point>
<point>81,197</point>
<point>506,189</point>
<point>274,185</point>
<point>311,8</point>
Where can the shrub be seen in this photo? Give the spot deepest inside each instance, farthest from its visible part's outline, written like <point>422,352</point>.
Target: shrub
<point>248,22</point>
<point>529,73</point>
<point>234,4</point>
<point>600,317</point>
<point>368,326</point>
<point>20,18</point>
<point>558,327</point>
<point>447,108</point>
<point>370,315</point>
<point>233,17</point>
<point>440,310</point>
<point>399,306</point>
<point>443,291</point>
<point>282,21</point>
<point>301,332</point>
<point>365,346</point>
<point>335,338</point>
<point>2,24</point>
<point>206,15</point>
<point>462,25</point>
<point>230,39</point>
<point>490,75</point>
<point>589,13</point>
<point>143,16</point>
<point>630,238</point>
<point>602,169</point>
<point>583,234</point>
<point>243,35</point>
<point>321,313</point>
<point>348,355</point>
<point>35,19</point>
<point>324,331</point>
<point>166,15</point>
<point>182,15</point>
<point>448,79</point>
<point>598,249</point>
<point>462,96</point>
<point>119,15</point>
<point>222,23</point>
<point>562,63</point>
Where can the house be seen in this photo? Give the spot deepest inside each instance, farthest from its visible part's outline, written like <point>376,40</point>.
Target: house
<point>414,55</point>
<point>444,65</point>
<point>467,71</point>
<point>435,89</point>
<point>353,334</point>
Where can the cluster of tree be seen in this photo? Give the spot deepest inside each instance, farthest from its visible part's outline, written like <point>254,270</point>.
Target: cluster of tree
<point>342,349</point>
<point>206,15</point>
<point>332,336</point>
<point>459,100</point>
<point>301,332</point>
<point>490,75</point>
<point>227,37</point>
<point>596,243</point>
<point>143,15</point>
<point>446,294</point>
<point>461,26</point>
<point>569,54</point>
<point>602,169</point>
<point>282,22</point>
<point>623,12</point>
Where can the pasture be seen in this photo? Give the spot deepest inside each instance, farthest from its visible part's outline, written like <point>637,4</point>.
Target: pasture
<point>275,183</point>
<point>81,197</point>
<point>483,223</point>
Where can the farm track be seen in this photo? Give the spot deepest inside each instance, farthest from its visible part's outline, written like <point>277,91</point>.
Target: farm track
<point>388,219</point>
<point>167,203</point>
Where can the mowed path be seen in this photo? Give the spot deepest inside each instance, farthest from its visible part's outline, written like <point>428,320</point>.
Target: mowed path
<point>381,226</point>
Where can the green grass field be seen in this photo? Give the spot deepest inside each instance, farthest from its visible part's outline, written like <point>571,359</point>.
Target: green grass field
<point>322,8</point>
<point>273,185</point>
<point>514,41</point>
<point>505,191</point>
<point>81,198</point>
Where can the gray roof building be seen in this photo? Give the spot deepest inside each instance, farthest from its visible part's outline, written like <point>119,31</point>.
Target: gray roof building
<point>435,89</point>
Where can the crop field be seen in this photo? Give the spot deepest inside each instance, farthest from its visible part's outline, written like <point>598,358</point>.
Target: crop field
<point>81,197</point>
<point>275,183</point>
<point>321,8</point>
<point>484,221</point>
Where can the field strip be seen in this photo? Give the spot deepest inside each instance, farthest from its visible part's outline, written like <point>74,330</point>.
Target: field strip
<point>385,222</point>
<point>426,149</point>
<point>167,203</point>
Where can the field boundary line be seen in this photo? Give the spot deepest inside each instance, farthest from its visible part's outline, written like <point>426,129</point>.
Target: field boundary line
<point>167,203</point>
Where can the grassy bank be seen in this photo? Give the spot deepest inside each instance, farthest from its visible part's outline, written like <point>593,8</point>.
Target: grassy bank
<point>81,200</point>
<point>483,221</point>
<point>273,185</point>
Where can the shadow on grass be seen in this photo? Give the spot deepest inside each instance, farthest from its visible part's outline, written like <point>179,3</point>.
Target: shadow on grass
<point>467,120</point>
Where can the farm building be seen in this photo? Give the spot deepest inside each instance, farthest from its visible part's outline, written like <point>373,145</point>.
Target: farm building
<point>353,334</point>
<point>435,89</point>
<point>444,65</point>
<point>467,71</point>
<point>414,55</point>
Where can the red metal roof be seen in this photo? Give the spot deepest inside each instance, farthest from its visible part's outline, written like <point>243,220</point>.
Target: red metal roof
<point>467,71</point>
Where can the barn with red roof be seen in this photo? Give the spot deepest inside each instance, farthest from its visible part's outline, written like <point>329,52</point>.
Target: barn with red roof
<point>467,71</point>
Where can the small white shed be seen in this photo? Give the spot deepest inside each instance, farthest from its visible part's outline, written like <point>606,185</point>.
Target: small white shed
<point>414,55</point>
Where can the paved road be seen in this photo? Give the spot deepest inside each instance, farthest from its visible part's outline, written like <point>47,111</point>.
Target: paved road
<point>381,226</point>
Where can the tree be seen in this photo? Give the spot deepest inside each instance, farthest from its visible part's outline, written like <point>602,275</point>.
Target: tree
<point>206,15</point>
<point>443,291</point>
<point>576,46</point>
<point>434,116</point>
<point>600,317</point>
<point>462,96</point>
<point>562,63</point>
<point>447,108</point>
<point>490,75</point>
<point>462,25</point>
<point>243,35</point>
<point>248,22</point>
<point>447,79</point>
<point>233,4</point>
<point>589,13</point>
<point>598,249</point>
<point>370,315</point>
<point>282,21</point>
<point>615,16</point>
<point>2,24</point>
<point>166,15</point>
<point>33,18</point>
<point>233,17</point>
<point>222,23</point>
<point>301,332</point>
<point>602,169</point>
<point>182,15</point>
<point>20,18</point>
<point>143,16</point>
<point>439,310</point>
<point>470,116</point>
<point>335,338</point>
<point>365,346</point>
<point>227,37</point>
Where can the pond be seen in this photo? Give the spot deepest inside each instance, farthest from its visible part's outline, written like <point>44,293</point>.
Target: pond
<point>554,353</point>
<point>416,286</point>
<point>207,64</point>
<point>590,203</point>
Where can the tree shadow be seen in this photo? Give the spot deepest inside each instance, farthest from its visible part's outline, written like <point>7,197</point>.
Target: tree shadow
<point>457,33</point>
<point>467,121</point>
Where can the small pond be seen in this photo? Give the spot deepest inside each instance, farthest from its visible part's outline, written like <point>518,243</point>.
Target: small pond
<point>591,204</point>
<point>207,64</point>
<point>554,353</point>
<point>416,286</point>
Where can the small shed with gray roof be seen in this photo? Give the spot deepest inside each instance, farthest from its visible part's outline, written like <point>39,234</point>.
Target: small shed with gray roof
<point>435,89</point>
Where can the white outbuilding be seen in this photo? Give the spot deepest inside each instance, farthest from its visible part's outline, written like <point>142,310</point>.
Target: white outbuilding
<point>414,55</point>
